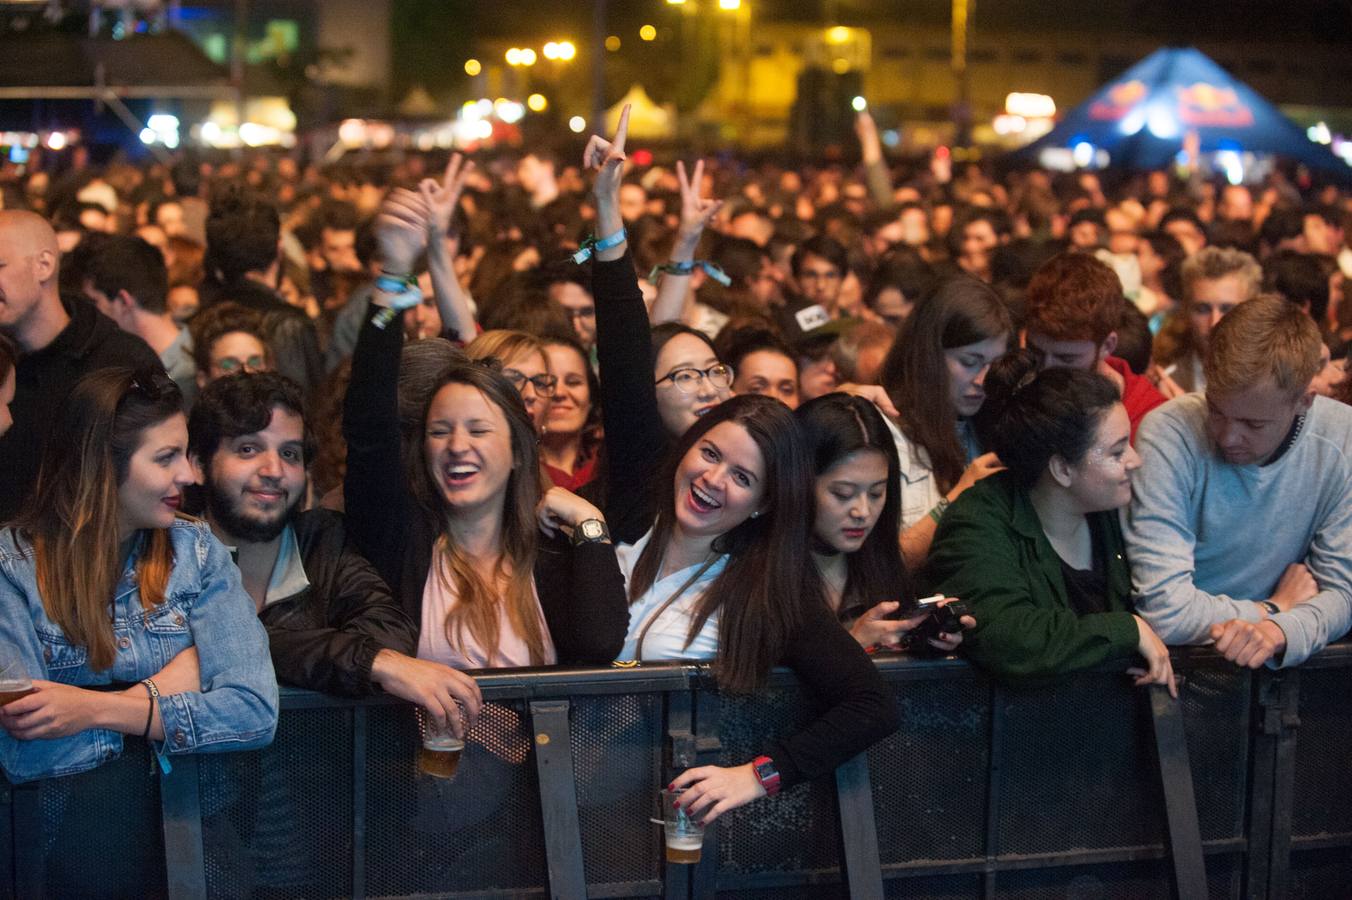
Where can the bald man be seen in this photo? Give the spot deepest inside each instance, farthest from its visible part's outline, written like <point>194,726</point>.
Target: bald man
<point>59,341</point>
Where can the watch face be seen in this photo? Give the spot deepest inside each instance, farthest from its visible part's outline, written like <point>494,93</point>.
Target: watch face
<point>591,529</point>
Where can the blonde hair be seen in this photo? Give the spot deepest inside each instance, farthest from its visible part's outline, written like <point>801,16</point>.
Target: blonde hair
<point>1211,263</point>
<point>505,346</point>
<point>1266,339</point>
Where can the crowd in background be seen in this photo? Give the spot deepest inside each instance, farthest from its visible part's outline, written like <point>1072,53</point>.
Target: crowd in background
<point>435,417</point>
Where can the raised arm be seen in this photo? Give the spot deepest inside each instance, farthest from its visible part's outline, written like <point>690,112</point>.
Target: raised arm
<point>875,166</point>
<point>373,486</point>
<point>635,440</point>
<point>696,213</point>
<point>453,301</point>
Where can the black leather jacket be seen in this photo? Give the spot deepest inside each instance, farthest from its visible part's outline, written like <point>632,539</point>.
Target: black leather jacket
<point>326,637</point>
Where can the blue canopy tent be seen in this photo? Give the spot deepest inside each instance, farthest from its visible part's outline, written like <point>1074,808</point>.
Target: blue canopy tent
<point>1142,117</point>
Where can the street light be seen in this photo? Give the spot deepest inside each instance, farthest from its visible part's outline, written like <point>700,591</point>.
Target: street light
<point>577,124</point>
<point>567,50</point>
<point>472,67</point>
<point>648,33</point>
<point>537,102</point>
<point>729,4</point>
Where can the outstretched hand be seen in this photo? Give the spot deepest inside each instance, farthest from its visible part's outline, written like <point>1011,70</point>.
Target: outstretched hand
<point>442,197</point>
<point>401,230</point>
<point>606,158</point>
<point>696,211</point>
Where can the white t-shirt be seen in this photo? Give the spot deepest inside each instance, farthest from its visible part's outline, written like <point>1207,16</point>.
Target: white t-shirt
<point>670,626</point>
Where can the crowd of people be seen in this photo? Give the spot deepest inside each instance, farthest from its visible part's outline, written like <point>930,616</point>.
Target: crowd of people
<point>359,428</point>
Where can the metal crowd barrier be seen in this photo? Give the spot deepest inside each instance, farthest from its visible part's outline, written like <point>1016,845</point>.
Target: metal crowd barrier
<point>1085,789</point>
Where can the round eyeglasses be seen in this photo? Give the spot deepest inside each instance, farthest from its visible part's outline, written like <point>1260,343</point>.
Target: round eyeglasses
<point>687,379</point>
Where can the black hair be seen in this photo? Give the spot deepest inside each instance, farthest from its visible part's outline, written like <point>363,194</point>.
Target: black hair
<point>123,263</point>
<point>1038,415</point>
<point>242,233</point>
<point>242,404</point>
<point>828,248</point>
<point>835,426</point>
<point>1134,339</point>
<point>1302,278</point>
<point>668,330</point>
<point>735,344</point>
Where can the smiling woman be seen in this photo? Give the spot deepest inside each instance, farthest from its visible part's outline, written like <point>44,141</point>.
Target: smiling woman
<point>449,509</point>
<point>105,585</point>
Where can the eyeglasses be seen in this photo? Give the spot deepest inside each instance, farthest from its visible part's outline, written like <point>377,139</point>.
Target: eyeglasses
<point>585,313</point>
<point>231,364</point>
<point>544,384</point>
<point>687,380</point>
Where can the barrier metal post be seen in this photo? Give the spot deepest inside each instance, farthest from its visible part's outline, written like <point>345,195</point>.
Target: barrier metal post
<point>181,809</point>
<point>680,708</point>
<point>708,710</point>
<point>1180,803</point>
<point>27,819</point>
<point>1262,785</point>
<point>558,798</point>
<point>862,865</point>
<point>1287,715</point>
<point>359,726</point>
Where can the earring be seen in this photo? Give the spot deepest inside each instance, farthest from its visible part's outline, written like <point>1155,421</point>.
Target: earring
<point>755,514</point>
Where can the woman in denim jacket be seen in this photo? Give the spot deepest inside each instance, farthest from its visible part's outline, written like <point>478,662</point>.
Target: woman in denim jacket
<point>179,655</point>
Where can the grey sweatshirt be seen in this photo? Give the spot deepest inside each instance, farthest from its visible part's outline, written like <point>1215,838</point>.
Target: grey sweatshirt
<point>1206,538</point>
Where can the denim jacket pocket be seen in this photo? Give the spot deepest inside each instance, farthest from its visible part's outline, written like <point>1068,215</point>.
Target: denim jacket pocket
<point>62,657</point>
<point>171,617</point>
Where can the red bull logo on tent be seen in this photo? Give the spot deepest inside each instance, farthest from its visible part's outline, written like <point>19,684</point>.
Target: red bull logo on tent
<point>1207,104</point>
<point>1118,102</point>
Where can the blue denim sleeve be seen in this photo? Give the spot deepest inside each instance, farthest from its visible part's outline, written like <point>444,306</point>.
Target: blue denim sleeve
<point>237,706</point>
<point>29,760</point>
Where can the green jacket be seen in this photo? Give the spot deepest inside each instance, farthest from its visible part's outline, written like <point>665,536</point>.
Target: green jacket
<point>990,551</point>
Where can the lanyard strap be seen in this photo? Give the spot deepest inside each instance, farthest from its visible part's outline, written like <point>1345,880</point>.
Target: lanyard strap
<point>643,632</point>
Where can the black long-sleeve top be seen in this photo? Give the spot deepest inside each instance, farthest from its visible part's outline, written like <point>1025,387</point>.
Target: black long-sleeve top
<point>859,708</point>
<point>580,588</point>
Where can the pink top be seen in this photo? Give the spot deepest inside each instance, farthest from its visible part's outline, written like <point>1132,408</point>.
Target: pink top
<point>439,599</point>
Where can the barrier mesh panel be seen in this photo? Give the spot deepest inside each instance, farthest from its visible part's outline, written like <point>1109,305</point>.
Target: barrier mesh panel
<point>1083,750</point>
<point>1113,881</point>
<point>934,887</point>
<point>277,822</point>
<point>797,829</point>
<point>1216,705</point>
<point>479,831</point>
<point>1323,804</point>
<point>1320,874</point>
<point>617,756</point>
<point>929,777</point>
<point>84,820</point>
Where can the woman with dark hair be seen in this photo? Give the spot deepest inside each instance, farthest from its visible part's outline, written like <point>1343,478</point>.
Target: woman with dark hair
<point>722,569</point>
<point>935,374</point>
<point>1160,257</point>
<point>1037,550</point>
<point>118,609</point>
<point>571,445</point>
<point>855,533</point>
<point>8,382</point>
<point>446,506</point>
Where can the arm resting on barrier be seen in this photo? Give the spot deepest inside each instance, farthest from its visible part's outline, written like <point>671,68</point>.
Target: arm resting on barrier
<point>991,555</point>
<point>860,708</point>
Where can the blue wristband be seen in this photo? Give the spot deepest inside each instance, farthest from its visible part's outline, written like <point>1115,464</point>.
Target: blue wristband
<point>686,268</point>
<point>593,245</point>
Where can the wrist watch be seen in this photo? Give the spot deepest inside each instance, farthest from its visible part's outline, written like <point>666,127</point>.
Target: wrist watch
<point>1272,608</point>
<point>590,531</point>
<point>766,774</point>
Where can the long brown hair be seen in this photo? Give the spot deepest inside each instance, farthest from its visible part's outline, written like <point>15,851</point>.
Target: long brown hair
<point>476,609</point>
<point>963,310</point>
<point>72,516</point>
<point>770,575</point>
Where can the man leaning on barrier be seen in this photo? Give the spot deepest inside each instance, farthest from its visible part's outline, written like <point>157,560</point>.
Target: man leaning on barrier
<point>332,624</point>
<point>1240,530</point>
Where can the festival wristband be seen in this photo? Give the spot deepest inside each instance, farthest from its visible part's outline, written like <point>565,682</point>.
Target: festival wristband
<point>404,294</point>
<point>592,245</point>
<point>686,268</point>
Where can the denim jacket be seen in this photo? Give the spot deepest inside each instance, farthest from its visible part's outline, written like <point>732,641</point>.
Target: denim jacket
<point>205,605</point>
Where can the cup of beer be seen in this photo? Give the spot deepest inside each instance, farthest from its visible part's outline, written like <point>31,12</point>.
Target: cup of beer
<point>14,680</point>
<point>439,755</point>
<point>684,835</point>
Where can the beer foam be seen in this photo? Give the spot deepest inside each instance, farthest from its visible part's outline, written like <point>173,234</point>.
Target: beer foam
<point>685,841</point>
<point>443,743</point>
